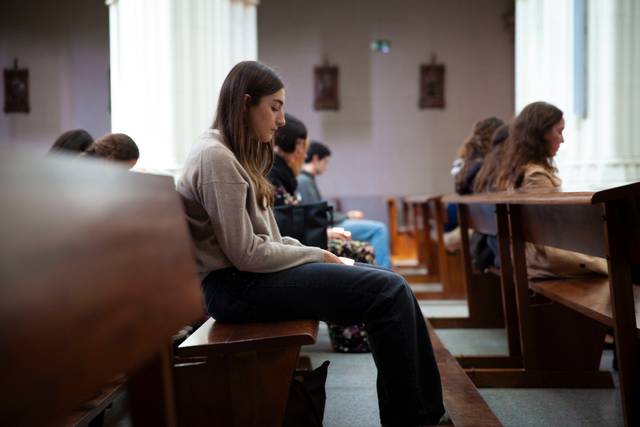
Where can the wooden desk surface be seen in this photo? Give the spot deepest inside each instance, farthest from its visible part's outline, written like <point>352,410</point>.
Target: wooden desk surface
<point>96,273</point>
<point>564,196</point>
<point>421,198</point>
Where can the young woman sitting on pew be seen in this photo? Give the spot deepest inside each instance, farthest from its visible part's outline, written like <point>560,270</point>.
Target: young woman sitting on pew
<point>534,139</point>
<point>250,273</point>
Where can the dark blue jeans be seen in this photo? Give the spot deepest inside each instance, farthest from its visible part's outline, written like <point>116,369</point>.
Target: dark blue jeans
<point>408,382</point>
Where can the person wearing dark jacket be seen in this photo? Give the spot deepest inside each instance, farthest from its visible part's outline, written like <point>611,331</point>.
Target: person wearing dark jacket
<point>374,232</point>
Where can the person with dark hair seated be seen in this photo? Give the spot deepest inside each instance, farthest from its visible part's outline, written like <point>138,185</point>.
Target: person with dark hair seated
<point>72,141</point>
<point>290,148</point>
<point>116,147</point>
<point>374,232</point>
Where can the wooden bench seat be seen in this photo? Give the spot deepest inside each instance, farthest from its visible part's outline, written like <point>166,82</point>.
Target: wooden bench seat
<point>464,404</point>
<point>588,295</point>
<point>93,408</point>
<point>215,337</point>
<point>238,374</point>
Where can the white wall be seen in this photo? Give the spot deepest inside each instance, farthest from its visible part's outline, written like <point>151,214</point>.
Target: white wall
<point>65,46</point>
<point>381,142</point>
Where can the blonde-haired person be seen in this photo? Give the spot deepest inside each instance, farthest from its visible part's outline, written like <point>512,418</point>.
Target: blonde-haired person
<point>527,164</point>
<point>250,273</point>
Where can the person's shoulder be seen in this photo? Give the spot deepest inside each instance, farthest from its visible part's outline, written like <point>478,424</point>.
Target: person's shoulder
<point>217,160</point>
<point>539,177</point>
<point>305,177</point>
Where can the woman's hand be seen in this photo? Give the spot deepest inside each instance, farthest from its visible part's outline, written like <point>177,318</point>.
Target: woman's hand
<point>355,214</point>
<point>338,233</point>
<point>331,258</point>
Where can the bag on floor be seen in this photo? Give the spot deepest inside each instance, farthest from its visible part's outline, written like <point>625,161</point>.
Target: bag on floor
<point>348,339</point>
<point>307,398</point>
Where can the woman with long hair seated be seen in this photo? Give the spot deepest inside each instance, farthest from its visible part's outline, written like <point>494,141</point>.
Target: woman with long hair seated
<point>250,273</point>
<point>527,164</point>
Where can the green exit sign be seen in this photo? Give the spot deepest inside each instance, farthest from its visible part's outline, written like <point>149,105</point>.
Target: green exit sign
<point>381,45</point>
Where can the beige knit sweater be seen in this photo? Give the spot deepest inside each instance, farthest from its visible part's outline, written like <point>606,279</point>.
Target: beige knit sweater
<point>227,225</point>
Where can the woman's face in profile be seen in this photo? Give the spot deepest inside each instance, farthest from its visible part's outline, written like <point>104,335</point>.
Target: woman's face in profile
<point>267,116</point>
<point>554,137</point>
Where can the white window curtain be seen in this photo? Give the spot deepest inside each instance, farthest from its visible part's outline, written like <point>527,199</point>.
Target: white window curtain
<point>602,146</point>
<point>168,61</point>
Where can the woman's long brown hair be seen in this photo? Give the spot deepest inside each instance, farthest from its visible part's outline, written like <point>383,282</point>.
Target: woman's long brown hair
<point>476,146</point>
<point>232,121</point>
<point>526,144</point>
<point>486,175</point>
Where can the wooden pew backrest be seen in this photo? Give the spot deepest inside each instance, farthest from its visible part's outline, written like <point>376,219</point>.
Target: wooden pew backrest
<point>96,273</point>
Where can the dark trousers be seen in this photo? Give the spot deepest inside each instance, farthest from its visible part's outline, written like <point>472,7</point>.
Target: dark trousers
<point>408,382</point>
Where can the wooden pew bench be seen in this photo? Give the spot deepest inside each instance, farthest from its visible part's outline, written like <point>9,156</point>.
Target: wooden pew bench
<point>464,404</point>
<point>484,290</point>
<point>536,357</point>
<point>97,276</point>
<point>490,295</point>
<point>562,328</point>
<point>238,374</point>
<point>402,237</point>
<point>604,223</point>
<point>424,219</point>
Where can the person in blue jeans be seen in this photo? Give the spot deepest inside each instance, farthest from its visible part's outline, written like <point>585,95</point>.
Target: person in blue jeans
<point>250,273</point>
<point>374,232</point>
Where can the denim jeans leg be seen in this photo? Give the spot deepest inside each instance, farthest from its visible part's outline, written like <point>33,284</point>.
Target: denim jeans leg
<point>409,391</point>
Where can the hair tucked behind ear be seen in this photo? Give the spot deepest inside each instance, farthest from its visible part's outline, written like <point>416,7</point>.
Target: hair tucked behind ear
<point>232,120</point>
<point>486,175</point>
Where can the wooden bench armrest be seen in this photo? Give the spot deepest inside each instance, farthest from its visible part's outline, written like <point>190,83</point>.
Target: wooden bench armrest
<point>215,337</point>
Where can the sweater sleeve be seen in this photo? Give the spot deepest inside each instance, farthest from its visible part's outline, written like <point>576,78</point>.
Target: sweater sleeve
<point>291,241</point>
<point>226,205</point>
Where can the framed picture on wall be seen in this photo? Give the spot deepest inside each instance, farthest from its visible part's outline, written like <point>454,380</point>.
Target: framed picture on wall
<point>16,89</point>
<point>325,88</point>
<point>431,86</point>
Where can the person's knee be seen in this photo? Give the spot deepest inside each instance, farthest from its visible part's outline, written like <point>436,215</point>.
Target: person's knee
<point>395,295</point>
<point>379,228</point>
<point>397,287</point>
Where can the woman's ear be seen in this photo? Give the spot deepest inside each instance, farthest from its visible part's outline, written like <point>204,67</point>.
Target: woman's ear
<point>247,101</point>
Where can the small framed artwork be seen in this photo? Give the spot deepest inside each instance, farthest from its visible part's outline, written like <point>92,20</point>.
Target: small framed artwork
<point>325,88</point>
<point>16,89</point>
<point>431,86</point>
